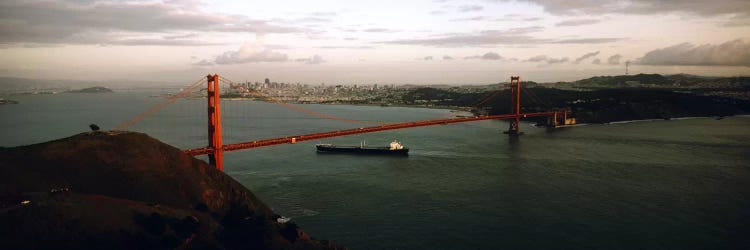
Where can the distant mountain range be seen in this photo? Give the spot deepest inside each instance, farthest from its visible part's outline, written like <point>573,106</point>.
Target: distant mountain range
<point>21,84</point>
<point>656,80</point>
<point>92,90</point>
<point>16,84</point>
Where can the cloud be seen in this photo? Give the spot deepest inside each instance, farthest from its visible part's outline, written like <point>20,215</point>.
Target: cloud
<point>486,56</point>
<point>476,18</point>
<point>557,60</point>
<point>315,59</point>
<point>346,47</point>
<point>614,60</point>
<point>598,7</point>
<point>589,40</point>
<point>235,57</point>
<point>203,62</point>
<point>379,30</point>
<point>596,61</point>
<point>447,57</point>
<point>487,37</point>
<point>491,56</point>
<point>427,58</point>
<point>509,17</point>
<point>470,8</point>
<point>322,13</point>
<point>515,17</point>
<point>547,59</point>
<point>738,21</point>
<point>515,36</point>
<point>183,36</point>
<point>731,53</point>
<point>577,22</point>
<point>160,42</point>
<point>313,19</point>
<point>539,58</point>
<point>99,22</point>
<point>437,12</point>
<point>250,53</point>
<point>277,46</point>
<point>585,56</point>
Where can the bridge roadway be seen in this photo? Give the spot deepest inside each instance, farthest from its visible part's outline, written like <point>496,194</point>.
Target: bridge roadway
<point>315,136</point>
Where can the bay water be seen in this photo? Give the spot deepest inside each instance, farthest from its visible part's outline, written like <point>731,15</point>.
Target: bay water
<point>677,184</point>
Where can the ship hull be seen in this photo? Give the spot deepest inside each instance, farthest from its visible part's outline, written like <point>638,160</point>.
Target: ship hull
<point>361,150</point>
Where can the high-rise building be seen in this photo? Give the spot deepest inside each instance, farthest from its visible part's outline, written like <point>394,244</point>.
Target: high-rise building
<point>267,81</point>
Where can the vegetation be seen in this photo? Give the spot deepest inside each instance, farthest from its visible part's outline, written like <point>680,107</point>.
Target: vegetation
<point>660,81</point>
<point>597,106</point>
<point>92,90</point>
<point>654,79</point>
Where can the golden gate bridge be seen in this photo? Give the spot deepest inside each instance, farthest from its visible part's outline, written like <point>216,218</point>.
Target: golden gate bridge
<point>215,147</point>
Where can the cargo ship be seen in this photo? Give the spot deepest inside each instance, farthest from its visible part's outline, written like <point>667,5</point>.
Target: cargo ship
<point>395,148</point>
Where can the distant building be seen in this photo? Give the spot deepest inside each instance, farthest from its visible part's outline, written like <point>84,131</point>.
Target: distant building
<point>267,81</point>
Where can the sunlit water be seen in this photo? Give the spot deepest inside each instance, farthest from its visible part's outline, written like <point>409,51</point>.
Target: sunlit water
<point>679,184</point>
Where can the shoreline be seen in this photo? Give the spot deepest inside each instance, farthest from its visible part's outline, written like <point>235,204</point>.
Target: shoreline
<point>653,120</point>
<point>455,109</point>
<point>452,108</point>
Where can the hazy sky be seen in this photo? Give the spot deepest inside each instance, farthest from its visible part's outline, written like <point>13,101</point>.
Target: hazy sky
<point>384,41</point>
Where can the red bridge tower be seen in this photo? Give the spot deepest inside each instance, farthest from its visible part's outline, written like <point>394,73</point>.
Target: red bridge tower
<point>515,105</point>
<point>216,157</point>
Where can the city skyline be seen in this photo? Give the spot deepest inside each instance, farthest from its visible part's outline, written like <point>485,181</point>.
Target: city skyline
<point>390,42</point>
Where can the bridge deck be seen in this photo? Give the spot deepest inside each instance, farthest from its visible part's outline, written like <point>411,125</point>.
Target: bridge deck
<point>315,136</point>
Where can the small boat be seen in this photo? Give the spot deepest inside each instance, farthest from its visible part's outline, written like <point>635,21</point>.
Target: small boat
<point>395,148</point>
<point>283,220</point>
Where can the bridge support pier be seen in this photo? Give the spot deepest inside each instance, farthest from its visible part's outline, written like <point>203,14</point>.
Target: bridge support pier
<point>216,157</point>
<point>515,106</point>
<point>555,121</point>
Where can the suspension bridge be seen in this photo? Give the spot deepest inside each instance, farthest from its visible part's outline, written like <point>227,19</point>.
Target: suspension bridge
<point>216,148</point>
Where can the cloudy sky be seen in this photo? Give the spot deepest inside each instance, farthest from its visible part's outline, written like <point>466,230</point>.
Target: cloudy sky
<point>384,41</point>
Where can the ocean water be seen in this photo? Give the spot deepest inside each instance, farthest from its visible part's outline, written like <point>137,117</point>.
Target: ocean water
<point>678,184</point>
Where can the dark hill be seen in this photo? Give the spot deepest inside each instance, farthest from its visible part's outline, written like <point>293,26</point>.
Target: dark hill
<point>609,105</point>
<point>124,190</point>
<point>612,81</point>
<point>440,96</point>
<point>92,90</point>
<point>598,106</point>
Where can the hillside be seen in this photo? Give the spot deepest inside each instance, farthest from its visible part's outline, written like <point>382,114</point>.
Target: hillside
<point>597,106</point>
<point>96,89</point>
<point>612,81</point>
<point>124,190</point>
<point>661,81</point>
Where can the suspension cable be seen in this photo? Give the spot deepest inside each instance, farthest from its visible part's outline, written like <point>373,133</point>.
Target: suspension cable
<point>153,109</point>
<point>532,98</point>
<point>487,99</point>
<point>541,101</point>
<point>484,98</point>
